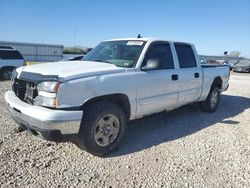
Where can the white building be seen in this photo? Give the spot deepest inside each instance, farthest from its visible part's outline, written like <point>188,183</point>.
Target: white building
<point>37,52</point>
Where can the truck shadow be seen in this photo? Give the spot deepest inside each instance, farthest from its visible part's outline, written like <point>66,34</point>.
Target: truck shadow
<point>167,126</point>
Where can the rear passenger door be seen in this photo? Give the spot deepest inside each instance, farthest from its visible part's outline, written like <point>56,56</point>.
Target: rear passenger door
<point>157,89</point>
<point>190,74</point>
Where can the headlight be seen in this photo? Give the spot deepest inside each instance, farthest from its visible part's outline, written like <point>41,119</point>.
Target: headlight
<point>50,86</point>
<point>45,101</point>
<point>47,94</point>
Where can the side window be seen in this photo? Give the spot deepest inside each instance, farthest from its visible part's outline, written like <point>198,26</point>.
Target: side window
<point>163,53</point>
<point>185,55</point>
<point>17,55</point>
<point>10,54</point>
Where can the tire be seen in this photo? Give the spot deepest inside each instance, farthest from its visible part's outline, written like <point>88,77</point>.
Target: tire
<point>19,129</point>
<point>102,128</point>
<point>212,100</point>
<point>6,73</point>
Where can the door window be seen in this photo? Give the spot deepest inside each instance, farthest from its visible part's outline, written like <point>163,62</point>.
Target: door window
<point>185,55</point>
<point>161,52</point>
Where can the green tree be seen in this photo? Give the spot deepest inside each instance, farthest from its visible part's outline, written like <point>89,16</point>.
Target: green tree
<point>73,50</point>
<point>234,54</point>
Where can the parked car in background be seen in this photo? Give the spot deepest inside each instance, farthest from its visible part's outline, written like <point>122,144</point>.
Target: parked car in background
<point>10,59</point>
<point>232,63</point>
<point>215,62</point>
<point>73,58</point>
<point>242,66</point>
<point>203,61</point>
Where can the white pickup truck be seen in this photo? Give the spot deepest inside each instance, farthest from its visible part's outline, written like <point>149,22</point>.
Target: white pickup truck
<point>91,101</point>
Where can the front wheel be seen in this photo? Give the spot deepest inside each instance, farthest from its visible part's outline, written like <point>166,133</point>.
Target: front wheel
<point>102,128</point>
<point>6,74</point>
<point>212,100</point>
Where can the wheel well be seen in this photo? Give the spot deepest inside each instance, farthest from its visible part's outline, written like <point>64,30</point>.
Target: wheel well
<point>217,82</point>
<point>118,98</point>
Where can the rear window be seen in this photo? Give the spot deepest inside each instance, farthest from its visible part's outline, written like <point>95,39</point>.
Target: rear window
<point>10,54</point>
<point>185,55</point>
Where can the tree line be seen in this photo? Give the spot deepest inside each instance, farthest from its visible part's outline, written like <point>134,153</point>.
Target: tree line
<point>76,50</point>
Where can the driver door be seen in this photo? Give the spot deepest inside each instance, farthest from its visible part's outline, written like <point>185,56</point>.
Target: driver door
<point>157,88</point>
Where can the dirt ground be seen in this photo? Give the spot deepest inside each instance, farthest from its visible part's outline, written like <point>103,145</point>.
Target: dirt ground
<point>181,148</point>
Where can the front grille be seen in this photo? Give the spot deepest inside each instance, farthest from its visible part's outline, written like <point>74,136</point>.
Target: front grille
<point>25,90</point>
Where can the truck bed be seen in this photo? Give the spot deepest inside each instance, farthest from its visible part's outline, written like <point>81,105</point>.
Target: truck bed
<point>211,71</point>
<point>213,65</point>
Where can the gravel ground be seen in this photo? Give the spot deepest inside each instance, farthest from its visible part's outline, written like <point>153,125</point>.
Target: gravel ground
<point>181,148</point>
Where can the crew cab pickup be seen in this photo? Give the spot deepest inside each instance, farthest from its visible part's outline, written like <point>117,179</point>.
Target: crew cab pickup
<point>90,101</point>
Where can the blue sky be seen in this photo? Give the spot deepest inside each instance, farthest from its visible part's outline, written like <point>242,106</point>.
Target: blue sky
<point>212,25</point>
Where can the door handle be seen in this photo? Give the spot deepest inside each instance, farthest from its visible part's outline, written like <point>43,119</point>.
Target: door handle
<point>174,77</point>
<point>196,75</point>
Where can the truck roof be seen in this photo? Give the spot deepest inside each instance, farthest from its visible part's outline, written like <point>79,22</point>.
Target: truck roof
<point>151,39</point>
<point>139,39</point>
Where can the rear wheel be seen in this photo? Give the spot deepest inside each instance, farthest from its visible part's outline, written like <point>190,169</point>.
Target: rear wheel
<point>102,128</point>
<point>212,100</point>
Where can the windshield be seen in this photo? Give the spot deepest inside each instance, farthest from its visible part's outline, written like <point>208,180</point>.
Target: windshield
<point>120,53</point>
<point>244,63</point>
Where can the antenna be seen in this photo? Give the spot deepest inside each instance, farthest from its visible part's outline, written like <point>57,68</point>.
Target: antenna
<point>139,36</point>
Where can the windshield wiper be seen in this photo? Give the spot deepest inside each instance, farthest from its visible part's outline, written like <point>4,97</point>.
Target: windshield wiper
<point>102,61</point>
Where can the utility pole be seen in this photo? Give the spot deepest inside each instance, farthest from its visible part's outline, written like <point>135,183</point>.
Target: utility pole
<point>225,55</point>
<point>74,38</point>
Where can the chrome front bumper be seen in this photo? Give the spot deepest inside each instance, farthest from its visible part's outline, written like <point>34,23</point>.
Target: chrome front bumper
<point>44,119</point>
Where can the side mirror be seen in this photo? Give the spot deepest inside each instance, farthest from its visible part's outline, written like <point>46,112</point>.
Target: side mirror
<point>151,64</point>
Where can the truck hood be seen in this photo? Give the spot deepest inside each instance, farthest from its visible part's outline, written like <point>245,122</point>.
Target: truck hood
<point>67,70</point>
